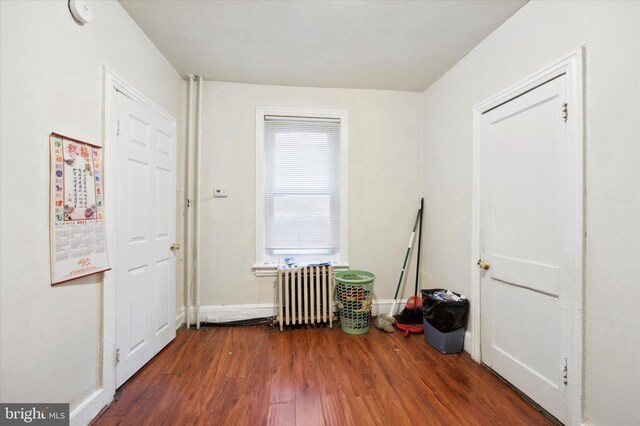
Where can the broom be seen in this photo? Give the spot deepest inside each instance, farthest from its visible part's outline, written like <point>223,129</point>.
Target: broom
<point>412,313</point>
<point>385,322</point>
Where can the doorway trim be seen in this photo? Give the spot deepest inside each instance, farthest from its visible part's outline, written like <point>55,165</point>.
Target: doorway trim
<point>572,66</point>
<point>112,84</point>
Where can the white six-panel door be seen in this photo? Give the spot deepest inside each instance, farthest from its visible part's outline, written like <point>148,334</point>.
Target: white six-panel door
<point>524,239</point>
<point>145,221</point>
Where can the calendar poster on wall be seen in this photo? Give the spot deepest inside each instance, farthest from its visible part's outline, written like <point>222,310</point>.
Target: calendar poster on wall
<point>78,243</point>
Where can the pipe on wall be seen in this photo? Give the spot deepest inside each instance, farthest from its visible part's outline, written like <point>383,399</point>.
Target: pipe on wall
<point>198,194</point>
<point>188,255</point>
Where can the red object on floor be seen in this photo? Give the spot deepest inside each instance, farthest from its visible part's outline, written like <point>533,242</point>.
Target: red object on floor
<point>409,328</point>
<point>413,302</point>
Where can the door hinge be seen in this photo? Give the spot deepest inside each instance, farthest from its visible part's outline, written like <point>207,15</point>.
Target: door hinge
<point>118,127</point>
<point>565,113</point>
<point>117,356</point>
<point>564,372</point>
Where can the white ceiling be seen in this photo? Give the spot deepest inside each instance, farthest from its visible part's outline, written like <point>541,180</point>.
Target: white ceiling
<point>395,45</point>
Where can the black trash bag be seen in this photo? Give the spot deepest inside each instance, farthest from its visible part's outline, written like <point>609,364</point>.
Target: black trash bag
<point>444,315</point>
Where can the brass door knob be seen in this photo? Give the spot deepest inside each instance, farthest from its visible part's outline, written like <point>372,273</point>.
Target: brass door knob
<point>175,246</point>
<point>483,264</point>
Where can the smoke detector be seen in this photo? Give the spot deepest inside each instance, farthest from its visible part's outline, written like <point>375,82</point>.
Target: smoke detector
<point>80,11</point>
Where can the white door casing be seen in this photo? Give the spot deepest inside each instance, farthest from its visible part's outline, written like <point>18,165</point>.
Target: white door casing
<point>571,67</point>
<point>146,229</point>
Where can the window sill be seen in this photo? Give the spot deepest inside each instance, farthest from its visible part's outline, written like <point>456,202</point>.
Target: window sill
<point>269,270</point>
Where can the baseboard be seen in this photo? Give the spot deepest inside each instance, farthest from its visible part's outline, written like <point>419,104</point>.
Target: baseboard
<point>227,313</point>
<point>179,317</point>
<point>468,342</point>
<point>88,409</point>
<point>383,306</point>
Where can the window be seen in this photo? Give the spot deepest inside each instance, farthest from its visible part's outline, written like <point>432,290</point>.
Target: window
<point>300,186</point>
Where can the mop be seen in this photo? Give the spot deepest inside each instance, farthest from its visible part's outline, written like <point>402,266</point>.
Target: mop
<point>386,322</point>
<point>412,313</point>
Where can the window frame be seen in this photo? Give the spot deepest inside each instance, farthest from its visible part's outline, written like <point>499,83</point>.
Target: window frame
<point>265,266</point>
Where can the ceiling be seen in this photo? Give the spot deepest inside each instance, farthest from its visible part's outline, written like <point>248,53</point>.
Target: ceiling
<point>394,45</point>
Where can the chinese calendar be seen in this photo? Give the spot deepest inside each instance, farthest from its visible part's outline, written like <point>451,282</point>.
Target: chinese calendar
<point>78,234</point>
<point>81,188</point>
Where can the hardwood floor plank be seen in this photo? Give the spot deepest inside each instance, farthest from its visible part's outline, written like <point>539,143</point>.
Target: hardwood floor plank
<point>307,395</point>
<point>282,389</point>
<point>403,378</point>
<point>258,375</point>
<point>322,345</point>
<point>349,367</point>
<point>239,348</point>
<point>259,385</point>
<point>366,411</point>
<point>336,411</point>
<point>109,421</point>
<point>230,408</point>
<point>283,414</point>
<point>205,374</point>
<point>329,380</point>
<point>280,346</point>
<point>386,395</point>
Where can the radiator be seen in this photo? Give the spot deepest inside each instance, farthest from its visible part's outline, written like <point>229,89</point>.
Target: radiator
<point>305,295</point>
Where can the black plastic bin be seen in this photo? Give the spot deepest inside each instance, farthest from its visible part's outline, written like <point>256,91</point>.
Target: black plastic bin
<point>444,321</point>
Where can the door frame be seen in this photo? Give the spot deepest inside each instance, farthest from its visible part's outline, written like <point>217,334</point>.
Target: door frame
<point>113,83</point>
<point>572,66</point>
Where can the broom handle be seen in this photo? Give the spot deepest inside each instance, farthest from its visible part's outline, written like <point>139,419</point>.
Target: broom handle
<point>419,245</point>
<point>404,264</point>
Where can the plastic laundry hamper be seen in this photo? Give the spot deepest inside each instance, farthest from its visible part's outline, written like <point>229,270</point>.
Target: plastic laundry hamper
<point>354,295</point>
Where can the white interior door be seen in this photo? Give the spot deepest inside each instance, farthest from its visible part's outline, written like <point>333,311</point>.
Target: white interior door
<point>146,229</point>
<point>524,238</point>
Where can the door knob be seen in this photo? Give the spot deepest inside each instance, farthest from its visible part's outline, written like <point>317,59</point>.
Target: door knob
<point>175,246</point>
<point>483,264</point>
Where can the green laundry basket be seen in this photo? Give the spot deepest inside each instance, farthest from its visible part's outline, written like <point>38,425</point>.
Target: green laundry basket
<point>354,293</point>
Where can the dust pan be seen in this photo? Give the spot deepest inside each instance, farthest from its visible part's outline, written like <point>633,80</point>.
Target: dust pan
<point>410,328</point>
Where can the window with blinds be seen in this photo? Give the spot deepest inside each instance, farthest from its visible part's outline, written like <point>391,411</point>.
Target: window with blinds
<point>301,186</point>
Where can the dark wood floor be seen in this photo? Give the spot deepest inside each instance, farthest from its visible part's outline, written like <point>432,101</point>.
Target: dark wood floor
<point>313,376</point>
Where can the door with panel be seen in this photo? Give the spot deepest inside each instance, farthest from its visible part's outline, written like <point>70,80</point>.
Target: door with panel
<point>146,229</point>
<point>524,243</point>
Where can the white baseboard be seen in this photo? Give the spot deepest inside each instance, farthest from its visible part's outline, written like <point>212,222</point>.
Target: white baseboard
<point>227,313</point>
<point>383,306</point>
<point>90,408</point>
<point>468,342</point>
<point>179,317</point>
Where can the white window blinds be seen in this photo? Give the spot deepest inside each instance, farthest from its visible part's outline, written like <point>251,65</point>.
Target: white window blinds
<point>302,184</point>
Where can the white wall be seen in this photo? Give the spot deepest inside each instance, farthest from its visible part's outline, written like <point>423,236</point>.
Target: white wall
<point>51,80</point>
<point>537,35</point>
<point>384,183</point>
